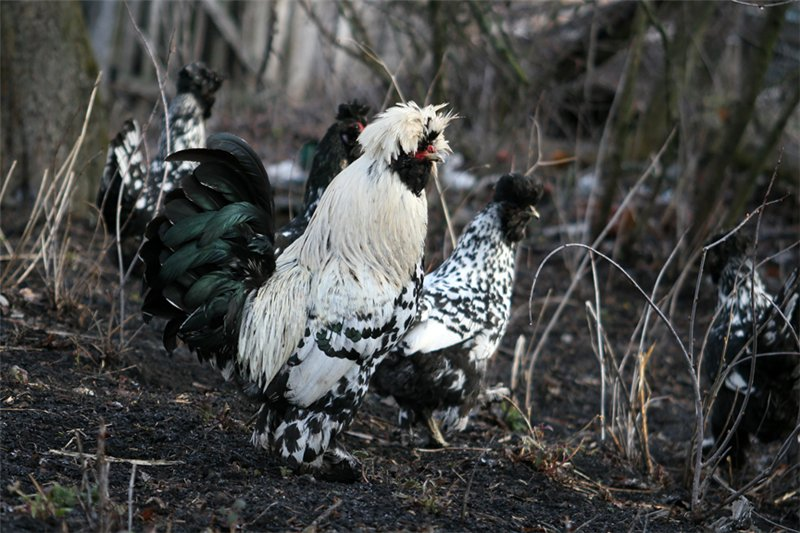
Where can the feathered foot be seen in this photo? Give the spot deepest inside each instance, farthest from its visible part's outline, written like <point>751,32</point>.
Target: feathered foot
<point>338,465</point>
<point>437,439</point>
<point>493,394</point>
<point>405,421</point>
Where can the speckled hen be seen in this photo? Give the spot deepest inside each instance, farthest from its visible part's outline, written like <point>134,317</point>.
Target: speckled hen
<point>126,186</point>
<point>301,332</point>
<point>757,396</point>
<point>436,372</point>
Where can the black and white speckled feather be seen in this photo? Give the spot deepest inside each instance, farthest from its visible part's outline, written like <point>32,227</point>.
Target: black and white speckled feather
<point>127,172</point>
<point>337,361</point>
<point>748,318</point>
<point>438,368</point>
<point>337,149</point>
<point>123,178</point>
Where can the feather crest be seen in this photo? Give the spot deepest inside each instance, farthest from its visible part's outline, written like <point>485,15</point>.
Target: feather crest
<point>400,128</point>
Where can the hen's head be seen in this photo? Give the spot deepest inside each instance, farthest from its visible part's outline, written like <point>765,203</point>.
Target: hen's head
<point>517,196</point>
<point>409,139</point>
<point>732,250</point>
<point>337,149</point>
<point>351,120</point>
<point>199,80</point>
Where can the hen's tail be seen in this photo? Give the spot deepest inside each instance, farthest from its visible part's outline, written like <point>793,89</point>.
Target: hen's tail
<point>123,178</point>
<point>210,245</point>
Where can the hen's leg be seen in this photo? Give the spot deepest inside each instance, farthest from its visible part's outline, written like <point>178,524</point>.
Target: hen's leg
<point>436,434</point>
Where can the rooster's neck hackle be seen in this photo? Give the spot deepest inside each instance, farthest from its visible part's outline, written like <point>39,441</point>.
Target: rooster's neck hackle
<point>369,222</point>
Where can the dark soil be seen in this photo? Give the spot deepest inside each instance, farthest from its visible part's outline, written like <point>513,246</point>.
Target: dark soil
<point>187,432</point>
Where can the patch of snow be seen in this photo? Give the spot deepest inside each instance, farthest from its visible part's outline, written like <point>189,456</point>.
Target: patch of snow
<point>286,172</point>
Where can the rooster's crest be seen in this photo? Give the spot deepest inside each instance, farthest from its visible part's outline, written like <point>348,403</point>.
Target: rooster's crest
<point>406,128</point>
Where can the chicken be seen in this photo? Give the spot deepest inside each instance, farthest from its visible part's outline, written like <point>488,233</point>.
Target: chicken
<point>126,184</point>
<point>436,372</point>
<point>302,333</point>
<point>337,149</point>
<point>768,406</point>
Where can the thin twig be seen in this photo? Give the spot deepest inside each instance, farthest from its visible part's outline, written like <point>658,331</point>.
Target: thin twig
<point>110,459</point>
<point>312,527</point>
<point>380,62</point>
<point>599,351</point>
<point>7,180</point>
<point>579,273</point>
<point>130,497</point>
<point>469,483</point>
<point>445,210</point>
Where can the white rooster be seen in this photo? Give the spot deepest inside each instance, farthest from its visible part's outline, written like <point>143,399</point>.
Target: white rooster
<point>304,332</point>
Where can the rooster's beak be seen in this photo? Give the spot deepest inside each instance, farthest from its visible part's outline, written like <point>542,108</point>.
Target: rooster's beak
<point>535,212</point>
<point>429,154</point>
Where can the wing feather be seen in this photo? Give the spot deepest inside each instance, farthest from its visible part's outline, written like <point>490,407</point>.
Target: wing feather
<point>315,376</point>
<point>429,336</point>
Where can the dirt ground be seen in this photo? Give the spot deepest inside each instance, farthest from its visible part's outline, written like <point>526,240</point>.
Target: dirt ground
<point>176,438</point>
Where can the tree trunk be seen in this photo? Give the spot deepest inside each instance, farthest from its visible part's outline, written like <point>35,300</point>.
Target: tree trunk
<point>759,160</point>
<point>48,70</point>
<point>618,128</point>
<point>712,173</point>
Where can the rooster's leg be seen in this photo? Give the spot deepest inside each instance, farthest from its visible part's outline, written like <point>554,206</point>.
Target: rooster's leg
<point>339,465</point>
<point>436,433</point>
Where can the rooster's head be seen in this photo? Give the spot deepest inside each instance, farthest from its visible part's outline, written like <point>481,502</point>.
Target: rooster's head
<point>517,196</point>
<point>196,78</point>
<point>409,139</point>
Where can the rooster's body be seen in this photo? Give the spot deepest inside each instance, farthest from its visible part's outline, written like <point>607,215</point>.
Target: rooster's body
<point>337,149</point>
<point>126,181</point>
<point>746,312</point>
<point>436,372</point>
<point>301,333</point>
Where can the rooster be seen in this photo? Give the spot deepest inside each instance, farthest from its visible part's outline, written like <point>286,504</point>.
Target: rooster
<point>748,319</point>
<point>126,182</point>
<point>436,372</point>
<point>301,332</point>
<point>337,149</point>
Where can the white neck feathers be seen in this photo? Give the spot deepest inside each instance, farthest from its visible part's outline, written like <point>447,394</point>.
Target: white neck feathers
<point>367,222</point>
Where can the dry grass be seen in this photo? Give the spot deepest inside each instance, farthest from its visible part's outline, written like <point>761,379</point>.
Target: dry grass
<point>625,394</point>
<point>45,243</point>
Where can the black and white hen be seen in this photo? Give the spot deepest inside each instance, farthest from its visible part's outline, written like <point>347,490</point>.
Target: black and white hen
<point>337,149</point>
<point>126,186</point>
<point>748,320</point>
<point>302,332</point>
<point>436,372</point>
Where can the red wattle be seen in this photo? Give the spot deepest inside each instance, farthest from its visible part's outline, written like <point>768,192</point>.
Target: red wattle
<point>429,150</point>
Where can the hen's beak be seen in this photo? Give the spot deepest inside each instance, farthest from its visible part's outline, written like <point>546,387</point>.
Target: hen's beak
<point>535,212</point>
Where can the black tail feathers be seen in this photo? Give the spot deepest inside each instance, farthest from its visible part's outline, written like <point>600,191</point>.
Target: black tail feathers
<point>210,245</point>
